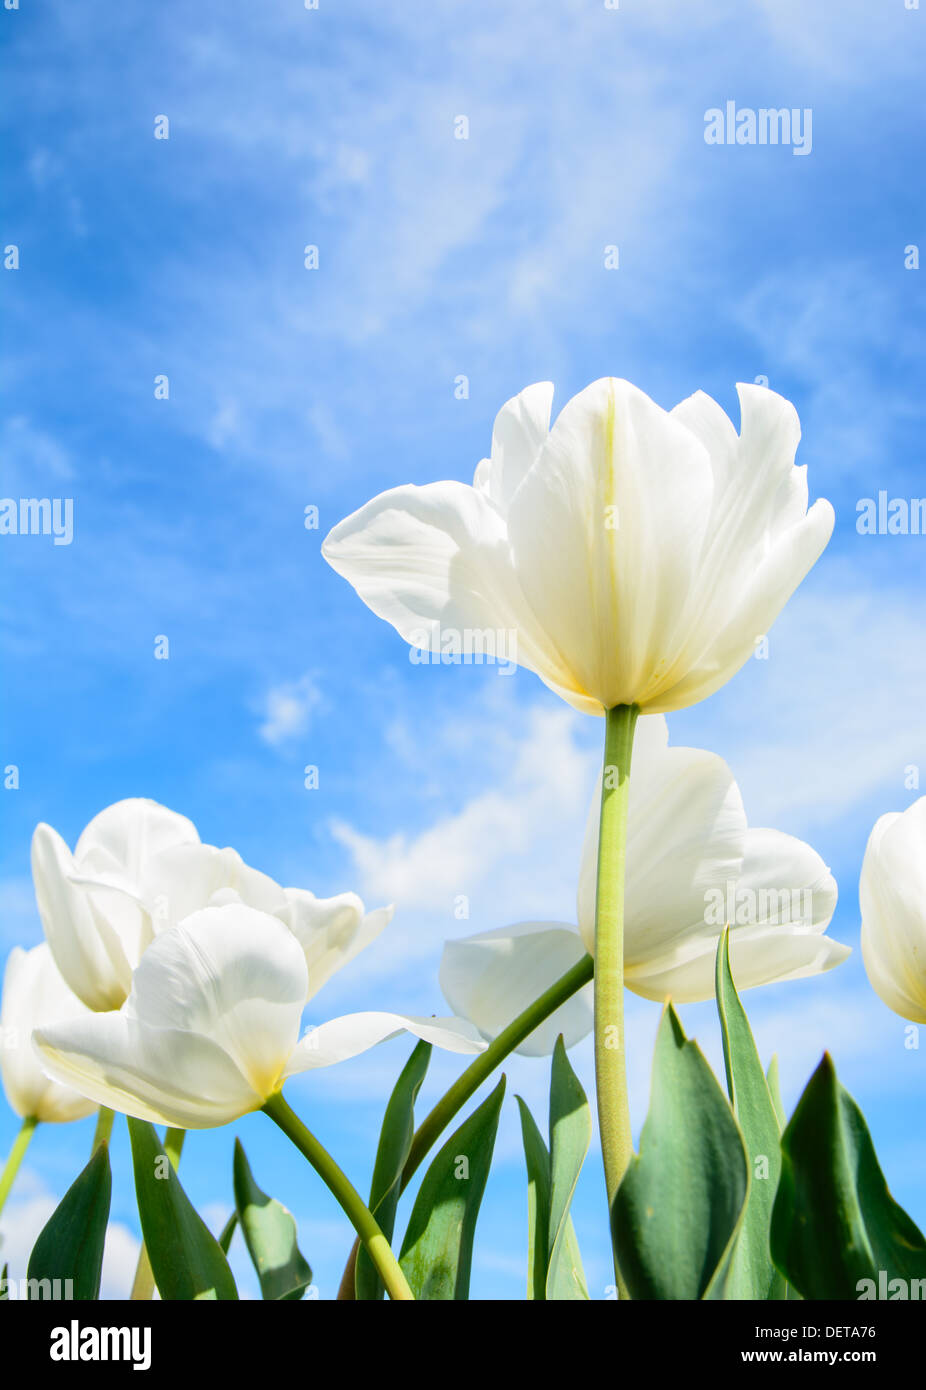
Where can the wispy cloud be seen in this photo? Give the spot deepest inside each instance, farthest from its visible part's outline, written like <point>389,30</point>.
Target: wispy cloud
<point>287,710</point>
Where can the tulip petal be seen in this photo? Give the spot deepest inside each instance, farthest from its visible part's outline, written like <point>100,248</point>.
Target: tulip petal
<point>759,955</point>
<point>761,542</point>
<point>185,878</point>
<point>779,908</point>
<point>231,974</point>
<point>606,530</point>
<point>892,897</point>
<point>346,1037</point>
<point>331,931</point>
<point>521,426</point>
<point>95,933</point>
<point>34,994</point>
<point>164,1075</point>
<point>125,835</point>
<point>492,977</point>
<point>433,561</point>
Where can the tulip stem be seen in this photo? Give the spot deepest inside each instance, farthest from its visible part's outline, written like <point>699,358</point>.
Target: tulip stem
<point>469,1081</point>
<point>610,1060</point>
<point>362,1220</point>
<point>143,1283</point>
<point>104,1128</point>
<point>17,1153</point>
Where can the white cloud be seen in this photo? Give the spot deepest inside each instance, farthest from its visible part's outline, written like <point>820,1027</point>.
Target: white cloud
<point>511,848</point>
<point>835,715</point>
<point>287,709</point>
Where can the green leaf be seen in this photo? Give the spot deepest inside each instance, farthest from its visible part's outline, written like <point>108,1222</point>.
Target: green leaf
<point>835,1224</point>
<point>70,1244</point>
<point>677,1211</point>
<point>570,1136</point>
<point>228,1231</point>
<point>437,1252</point>
<point>5,1282</point>
<point>538,1203</point>
<point>751,1275</point>
<point>395,1141</point>
<point>774,1090</point>
<point>186,1259</point>
<point>270,1234</point>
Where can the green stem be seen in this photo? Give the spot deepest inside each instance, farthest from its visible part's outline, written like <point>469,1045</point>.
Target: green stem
<point>610,1061</point>
<point>104,1128</point>
<point>143,1283</point>
<point>362,1220</point>
<point>469,1081</point>
<point>17,1153</point>
<point>483,1066</point>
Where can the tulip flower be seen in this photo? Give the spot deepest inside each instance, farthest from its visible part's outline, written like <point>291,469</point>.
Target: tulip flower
<point>33,994</point>
<point>210,1029</point>
<point>892,896</point>
<point>693,864</point>
<point>631,557</point>
<point>139,869</point>
<point>636,554</point>
<point>90,901</point>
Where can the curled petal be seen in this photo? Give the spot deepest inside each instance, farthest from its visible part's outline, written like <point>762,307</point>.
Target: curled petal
<point>346,1037</point>
<point>331,931</point>
<point>96,931</point>
<point>521,426</point>
<point>492,977</point>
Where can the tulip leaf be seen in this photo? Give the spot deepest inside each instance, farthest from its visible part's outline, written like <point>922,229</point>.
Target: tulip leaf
<point>227,1232</point>
<point>269,1232</point>
<point>676,1213</point>
<point>70,1244</point>
<point>437,1252</point>
<point>836,1230</point>
<point>186,1259</point>
<point>5,1282</point>
<point>751,1275</point>
<point>395,1141</point>
<point>570,1136</point>
<point>554,1264</point>
<point>538,1203</point>
<point>774,1090</point>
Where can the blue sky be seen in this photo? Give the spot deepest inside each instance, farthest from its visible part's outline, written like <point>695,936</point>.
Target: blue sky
<point>290,387</point>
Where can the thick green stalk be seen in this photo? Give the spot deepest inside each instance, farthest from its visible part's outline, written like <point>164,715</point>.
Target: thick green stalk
<point>143,1283</point>
<point>362,1220</point>
<point>17,1153</point>
<point>610,1061</point>
<point>469,1081</point>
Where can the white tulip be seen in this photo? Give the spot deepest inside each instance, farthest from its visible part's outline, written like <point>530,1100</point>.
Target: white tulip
<point>210,1030</point>
<point>628,555</point>
<point>892,896</point>
<point>138,870</point>
<point>693,864</point>
<point>90,901</point>
<point>34,994</point>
